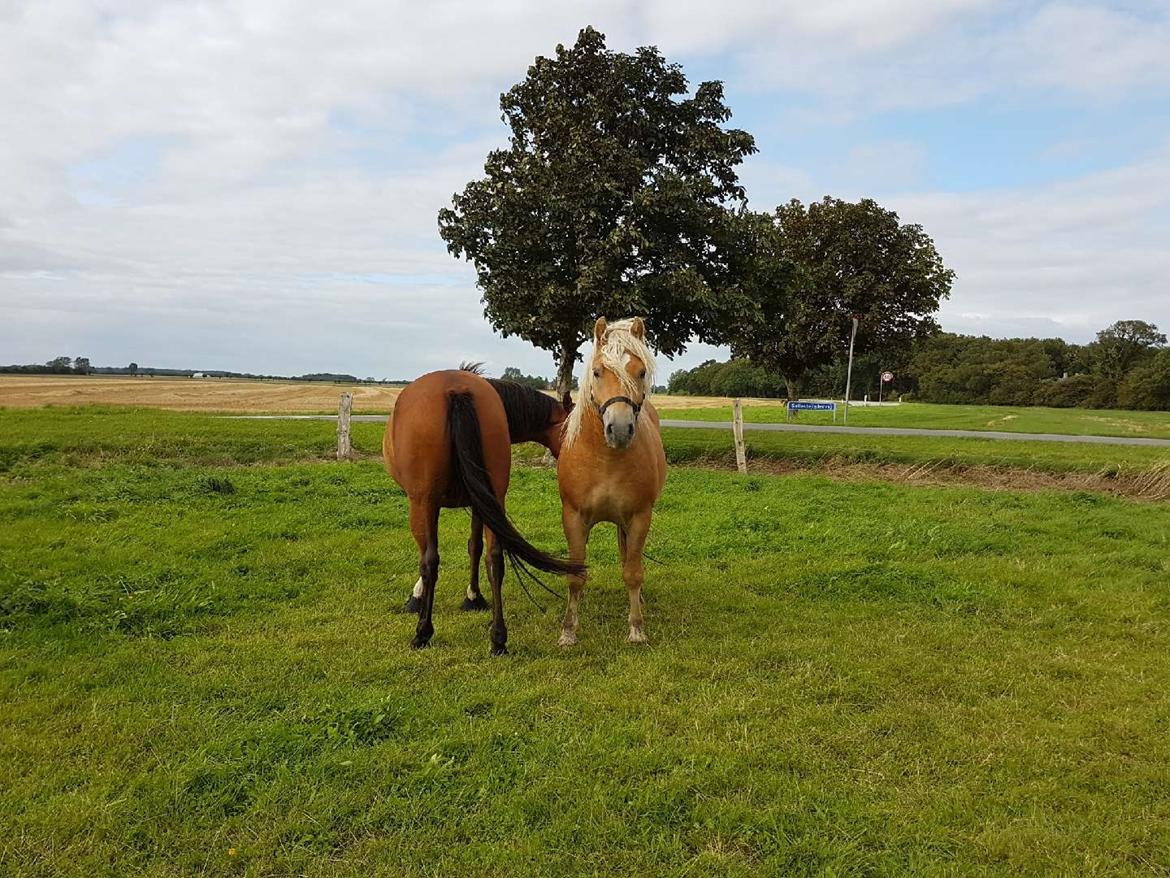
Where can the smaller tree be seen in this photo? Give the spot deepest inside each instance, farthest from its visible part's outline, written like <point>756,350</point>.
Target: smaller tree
<point>1122,346</point>
<point>133,369</point>
<point>811,269</point>
<point>81,365</point>
<point>536,382</point>
<point>1148,386</point>
<point>60,364</point>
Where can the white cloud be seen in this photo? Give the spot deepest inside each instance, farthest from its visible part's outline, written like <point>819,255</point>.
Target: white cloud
<point>203,180</point>
<point>1074,255</point>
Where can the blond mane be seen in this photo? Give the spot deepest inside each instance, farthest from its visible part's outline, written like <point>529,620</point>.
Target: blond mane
<point>615,344</point>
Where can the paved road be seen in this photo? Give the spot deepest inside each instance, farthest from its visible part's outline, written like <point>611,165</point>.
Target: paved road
<point>810,428</point>
<point>912,431</point>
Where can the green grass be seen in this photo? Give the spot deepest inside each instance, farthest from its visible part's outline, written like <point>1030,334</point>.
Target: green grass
<point>151,437</point>
<point>1012,419</point>
<point>845,678</point>
<point>684,445</point>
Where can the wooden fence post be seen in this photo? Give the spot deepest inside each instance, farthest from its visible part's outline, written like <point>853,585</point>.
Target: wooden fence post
<point>344,446</point>
<point>737,430</point>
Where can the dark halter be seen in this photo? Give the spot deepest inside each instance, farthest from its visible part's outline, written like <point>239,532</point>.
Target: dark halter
<point>636,406</point>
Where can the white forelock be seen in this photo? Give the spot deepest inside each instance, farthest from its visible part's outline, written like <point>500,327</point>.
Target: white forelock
<point>617,344</point>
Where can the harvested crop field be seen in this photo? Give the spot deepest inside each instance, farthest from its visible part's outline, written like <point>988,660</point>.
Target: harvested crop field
<point>226,394</point>
<point>192,394</point>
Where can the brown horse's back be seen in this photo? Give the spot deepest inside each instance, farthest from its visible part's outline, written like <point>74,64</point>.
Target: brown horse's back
<point>416,446</point>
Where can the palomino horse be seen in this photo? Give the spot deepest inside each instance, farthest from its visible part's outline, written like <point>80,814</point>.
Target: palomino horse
<point>447,444</point>
<point>532,417</point>
<point>612,466</point>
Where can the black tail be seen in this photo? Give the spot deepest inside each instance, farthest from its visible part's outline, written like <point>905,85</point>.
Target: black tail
<point>467,456</point>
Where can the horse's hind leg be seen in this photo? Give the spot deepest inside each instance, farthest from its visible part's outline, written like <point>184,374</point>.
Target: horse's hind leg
<point>633,571</point>
<point>474,599</point>
<point>424,524</point>
<point>414,601</point>
<point>496,575</point>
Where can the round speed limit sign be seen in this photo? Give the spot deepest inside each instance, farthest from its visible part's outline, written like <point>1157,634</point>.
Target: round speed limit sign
<point>887,377</point>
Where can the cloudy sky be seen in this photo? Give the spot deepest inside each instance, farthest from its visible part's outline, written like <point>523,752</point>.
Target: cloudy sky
<point>253,184</point>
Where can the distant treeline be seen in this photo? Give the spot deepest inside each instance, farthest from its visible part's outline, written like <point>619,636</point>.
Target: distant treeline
<point>82,366</point>
<point>536,382</point>
<point>1128,366</point>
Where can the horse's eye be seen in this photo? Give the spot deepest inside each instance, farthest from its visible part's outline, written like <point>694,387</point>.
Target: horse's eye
<point>596,373</point>
<point>642,374</point>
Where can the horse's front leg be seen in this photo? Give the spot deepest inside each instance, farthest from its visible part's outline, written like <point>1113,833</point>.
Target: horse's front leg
<point>633,572</point>
<point>577,536</point>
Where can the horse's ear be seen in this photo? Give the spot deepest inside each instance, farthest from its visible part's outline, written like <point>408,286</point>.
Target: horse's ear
<point>567,403</point>
<point>638,329</point>
<point>599,330</point>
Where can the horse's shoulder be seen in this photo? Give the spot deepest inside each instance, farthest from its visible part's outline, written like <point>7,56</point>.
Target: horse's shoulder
<point>651,412</point>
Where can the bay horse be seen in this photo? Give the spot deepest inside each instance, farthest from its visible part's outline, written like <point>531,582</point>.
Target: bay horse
<point>533,416</point>
<point>612,465</point>
<point>447,444</point>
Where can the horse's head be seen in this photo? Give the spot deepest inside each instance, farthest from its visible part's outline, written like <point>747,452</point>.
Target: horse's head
<point>554,433</point>
<point>619,377</point>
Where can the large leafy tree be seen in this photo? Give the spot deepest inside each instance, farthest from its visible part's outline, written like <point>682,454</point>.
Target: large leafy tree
<point>840,259</point>
<point>609,200</point>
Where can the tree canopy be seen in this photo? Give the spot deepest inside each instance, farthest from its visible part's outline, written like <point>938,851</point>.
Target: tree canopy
<point>608,200</point>
<point>822,265</point>
<point>1123,345</point>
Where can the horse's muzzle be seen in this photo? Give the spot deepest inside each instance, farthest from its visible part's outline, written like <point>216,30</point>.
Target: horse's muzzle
<point>619,429</point>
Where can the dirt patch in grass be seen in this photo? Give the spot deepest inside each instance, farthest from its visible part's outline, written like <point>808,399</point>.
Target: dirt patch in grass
<point>999,422</point>
<point>1140,484</point>
<point>1120,424</point>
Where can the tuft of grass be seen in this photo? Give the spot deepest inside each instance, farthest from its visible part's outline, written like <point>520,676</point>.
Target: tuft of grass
<point>219,485</point>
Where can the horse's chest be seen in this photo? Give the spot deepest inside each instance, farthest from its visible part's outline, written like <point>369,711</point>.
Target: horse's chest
<point>619,496</point>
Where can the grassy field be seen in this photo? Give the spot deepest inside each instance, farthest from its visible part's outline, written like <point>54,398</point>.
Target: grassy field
<point>86,436</point>
<point>203,673</point>
<point>1011,419</point>
<point>244,396</point>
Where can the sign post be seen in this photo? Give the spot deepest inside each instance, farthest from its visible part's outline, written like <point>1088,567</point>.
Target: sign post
<point>795,405</point>
<point>849,374</point>
<point>887,376</point>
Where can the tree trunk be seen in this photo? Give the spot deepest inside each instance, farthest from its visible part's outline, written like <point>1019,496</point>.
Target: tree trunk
<point>566,360</point>
<point>793,385</point>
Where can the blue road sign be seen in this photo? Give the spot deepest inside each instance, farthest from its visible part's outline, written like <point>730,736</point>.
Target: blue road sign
<point>797,406</point>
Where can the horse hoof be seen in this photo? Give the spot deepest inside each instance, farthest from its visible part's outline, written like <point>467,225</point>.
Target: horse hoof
<point>499,649</point>
<point>419,643</point>
<point>413,605</point>
<point>637,635</point>
<point>475,604</point>
<point>568,638</point>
